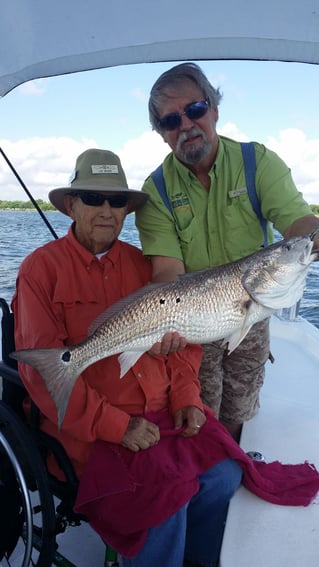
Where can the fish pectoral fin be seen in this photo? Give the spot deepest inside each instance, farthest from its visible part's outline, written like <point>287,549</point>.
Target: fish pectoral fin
<point>235,338</point>
<point>127,360</point>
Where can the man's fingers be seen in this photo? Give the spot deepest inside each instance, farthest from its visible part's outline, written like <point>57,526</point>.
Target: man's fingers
<point>171,342</point>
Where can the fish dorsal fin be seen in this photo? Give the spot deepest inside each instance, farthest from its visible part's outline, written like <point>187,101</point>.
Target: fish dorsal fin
<point>123,303</point>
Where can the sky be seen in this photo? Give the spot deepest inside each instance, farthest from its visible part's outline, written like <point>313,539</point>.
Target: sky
<point>45,124</point>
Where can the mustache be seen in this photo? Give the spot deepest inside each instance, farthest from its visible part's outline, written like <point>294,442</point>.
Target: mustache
<point>195,131</point>
<point>184,136</point>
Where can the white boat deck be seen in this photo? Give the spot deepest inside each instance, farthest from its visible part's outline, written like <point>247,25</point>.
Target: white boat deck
<point>285,429</point>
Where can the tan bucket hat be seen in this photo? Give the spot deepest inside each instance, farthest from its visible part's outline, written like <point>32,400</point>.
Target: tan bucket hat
<point>98,170</point>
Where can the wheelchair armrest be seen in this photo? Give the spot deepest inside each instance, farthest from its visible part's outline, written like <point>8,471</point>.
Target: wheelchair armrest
<point>10,374</point>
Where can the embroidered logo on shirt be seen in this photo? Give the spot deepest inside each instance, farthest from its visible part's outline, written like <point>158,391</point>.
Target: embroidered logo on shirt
<point>180,200</point>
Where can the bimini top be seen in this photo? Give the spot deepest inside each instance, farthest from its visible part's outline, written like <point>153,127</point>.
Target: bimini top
<point>42,39</point>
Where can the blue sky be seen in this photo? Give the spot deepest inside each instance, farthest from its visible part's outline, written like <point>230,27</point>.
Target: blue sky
<point>46,123</point>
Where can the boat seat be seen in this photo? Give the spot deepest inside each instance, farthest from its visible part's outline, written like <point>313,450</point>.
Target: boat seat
<point>286,428</point>
<point>41,505</point>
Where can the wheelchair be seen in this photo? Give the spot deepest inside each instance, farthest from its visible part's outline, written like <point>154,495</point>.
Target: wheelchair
<point>35,506</point>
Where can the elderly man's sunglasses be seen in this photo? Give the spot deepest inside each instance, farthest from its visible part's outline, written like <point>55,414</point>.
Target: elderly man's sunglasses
<point>97,199</point>
<point>193,111</point>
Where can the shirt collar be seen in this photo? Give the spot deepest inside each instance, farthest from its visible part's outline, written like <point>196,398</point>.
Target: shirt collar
<point>112,254</point>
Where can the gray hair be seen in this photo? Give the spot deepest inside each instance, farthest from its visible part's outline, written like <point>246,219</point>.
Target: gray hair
<point>175,76</point>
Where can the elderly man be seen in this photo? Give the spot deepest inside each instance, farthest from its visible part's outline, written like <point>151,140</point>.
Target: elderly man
<point>153,419</point>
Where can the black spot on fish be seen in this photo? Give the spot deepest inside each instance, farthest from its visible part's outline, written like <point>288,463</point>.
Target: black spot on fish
<point>248,303</point>
<point>162,301</point>
<point>66,356</point>
<point>178,299</point>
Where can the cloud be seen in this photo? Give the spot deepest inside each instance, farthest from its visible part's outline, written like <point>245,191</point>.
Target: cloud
<point>41,163</point>
<point>139,94</point>
<point>44,163</point>
<point>32,88</point>
<point>141,156</point>
<point>302,156</point>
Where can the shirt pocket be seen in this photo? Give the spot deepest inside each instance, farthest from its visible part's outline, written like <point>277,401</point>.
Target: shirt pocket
<point>242,232</point>
<point>78,308</point>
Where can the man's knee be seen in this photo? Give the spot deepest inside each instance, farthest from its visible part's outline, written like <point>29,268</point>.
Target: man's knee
<point>224,479</point>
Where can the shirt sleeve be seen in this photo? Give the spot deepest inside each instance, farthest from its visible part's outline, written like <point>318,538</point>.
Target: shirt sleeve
<point>183,368</point>
<point>281,202</point>
<point>156,226</point>
<point>89,414</point>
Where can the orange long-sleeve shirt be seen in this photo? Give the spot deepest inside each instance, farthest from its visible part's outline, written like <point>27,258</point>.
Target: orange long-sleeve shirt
<point>61,289</point>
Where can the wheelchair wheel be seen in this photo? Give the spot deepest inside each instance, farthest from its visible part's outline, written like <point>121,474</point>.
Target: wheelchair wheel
<point>24,487</point>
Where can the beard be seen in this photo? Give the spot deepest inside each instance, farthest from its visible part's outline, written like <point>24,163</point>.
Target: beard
<point>195,152</point>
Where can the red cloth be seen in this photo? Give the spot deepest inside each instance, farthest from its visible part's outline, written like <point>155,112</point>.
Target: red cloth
<point>124,493</point>
<point>61,289</point>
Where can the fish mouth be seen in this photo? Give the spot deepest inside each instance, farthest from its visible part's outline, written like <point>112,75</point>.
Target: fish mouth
<point>309,255</point>
<point>306,253</point>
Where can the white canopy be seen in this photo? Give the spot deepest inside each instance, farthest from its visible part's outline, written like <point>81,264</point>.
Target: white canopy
<point>41,38</point>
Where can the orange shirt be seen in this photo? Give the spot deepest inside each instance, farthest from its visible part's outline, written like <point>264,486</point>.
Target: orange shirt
<point>61,289</point>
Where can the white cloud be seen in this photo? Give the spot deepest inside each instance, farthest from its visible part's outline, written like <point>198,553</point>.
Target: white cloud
<point>141,156</point>
<point>302,156</point>
<point>44,163</point>
<point>139,94</point>
<point>231,131</point>
<point>41,163</point>
<point>32,88</point>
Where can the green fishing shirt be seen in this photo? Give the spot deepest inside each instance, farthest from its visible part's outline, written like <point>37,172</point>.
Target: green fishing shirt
<point>211,228</point>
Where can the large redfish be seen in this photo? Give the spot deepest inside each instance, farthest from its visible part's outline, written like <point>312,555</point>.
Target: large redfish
<point>203,306</point>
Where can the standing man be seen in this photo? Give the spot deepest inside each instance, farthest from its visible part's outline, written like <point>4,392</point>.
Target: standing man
<point>209,221</point>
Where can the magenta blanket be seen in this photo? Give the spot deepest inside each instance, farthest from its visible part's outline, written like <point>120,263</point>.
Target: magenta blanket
<point>124,493</point>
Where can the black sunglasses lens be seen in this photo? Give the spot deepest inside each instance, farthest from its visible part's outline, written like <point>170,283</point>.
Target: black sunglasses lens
<point>193,111</point>
<point>117,201</point>
<point>196,110</point>
<point>170,121</point>
<point>92,199</point>
<point>97,200</point>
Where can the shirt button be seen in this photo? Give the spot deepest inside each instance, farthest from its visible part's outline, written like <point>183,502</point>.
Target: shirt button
<point>105,277</point>
<point>139,375</point>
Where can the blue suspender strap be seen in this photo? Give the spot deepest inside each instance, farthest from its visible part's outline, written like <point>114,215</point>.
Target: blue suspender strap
<point>158,178</point>
<point>249,157</point>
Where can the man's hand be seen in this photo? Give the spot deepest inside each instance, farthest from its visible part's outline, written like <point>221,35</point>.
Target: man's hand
<point>193,417</point>
<point>140,434</point>
<point>170,342</point>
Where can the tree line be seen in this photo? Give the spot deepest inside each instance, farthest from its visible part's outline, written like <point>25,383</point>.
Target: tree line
<point>26,205</point>
<point>46,206</point>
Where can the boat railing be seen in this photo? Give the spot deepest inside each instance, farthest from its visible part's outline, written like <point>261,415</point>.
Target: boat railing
<point>289,313</point>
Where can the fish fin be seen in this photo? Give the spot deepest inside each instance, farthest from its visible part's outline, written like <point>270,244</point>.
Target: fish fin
<point>121,304</point>
<point>235,338</point>
<point>127,360</point>
<point>283,297</point>
<point>58,376</point>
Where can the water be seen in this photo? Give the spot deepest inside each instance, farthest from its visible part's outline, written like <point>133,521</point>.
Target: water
<point>21,232</point>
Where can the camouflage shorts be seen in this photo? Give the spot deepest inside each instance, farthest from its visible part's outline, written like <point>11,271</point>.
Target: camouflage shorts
<point>230,384</point>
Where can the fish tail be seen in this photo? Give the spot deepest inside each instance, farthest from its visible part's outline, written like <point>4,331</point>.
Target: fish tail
<point>59,375</point>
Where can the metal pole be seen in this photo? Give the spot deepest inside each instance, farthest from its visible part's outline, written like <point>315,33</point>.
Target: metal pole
<point>35,204</point>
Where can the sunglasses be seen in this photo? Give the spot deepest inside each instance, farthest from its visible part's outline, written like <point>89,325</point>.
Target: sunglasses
<point>193,111</point>
<point>97,199</point>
